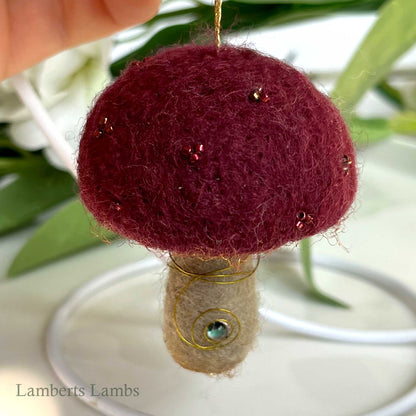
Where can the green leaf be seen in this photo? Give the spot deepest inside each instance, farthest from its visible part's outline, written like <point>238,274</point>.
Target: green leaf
<point>70,230</point>
<point>314,291</point>
<point>166,37</point>
<point>289,13</point>
<point>404,123</point>
<point>369,131</point>
<point>319,296</point>
<point>305,256</point>
<point>393,34</point>
<point>6,143</point>
<point>31,194</point>
<point>391,94</point>
<point>21,164</point>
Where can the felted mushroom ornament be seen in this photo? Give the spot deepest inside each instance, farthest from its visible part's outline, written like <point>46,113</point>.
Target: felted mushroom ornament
<point>215,155</point>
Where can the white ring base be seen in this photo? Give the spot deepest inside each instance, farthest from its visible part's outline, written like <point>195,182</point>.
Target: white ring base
<point>111,408</point>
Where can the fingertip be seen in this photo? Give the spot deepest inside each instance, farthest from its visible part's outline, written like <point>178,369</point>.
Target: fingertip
<point>152,9</point>
<point>131,12</point>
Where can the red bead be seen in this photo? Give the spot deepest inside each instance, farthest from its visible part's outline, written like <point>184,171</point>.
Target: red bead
<point>308,219</point>
<point>108,128</point>
<point>346,160</point>
<point>264,97</point>
<point>300,225</point>
<point>258,95</point>
<point>301,215</point>
<point>200,148</point>
<point>186,150</point>
<point>103,121</point>
<point>98,133</point>
<point>303,219</point>
<point>193,158</point>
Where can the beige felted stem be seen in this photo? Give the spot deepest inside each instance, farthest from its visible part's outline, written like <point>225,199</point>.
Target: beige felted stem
<point>203,297</point>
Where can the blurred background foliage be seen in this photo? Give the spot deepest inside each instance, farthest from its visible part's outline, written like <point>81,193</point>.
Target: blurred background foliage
<point>34,192</point>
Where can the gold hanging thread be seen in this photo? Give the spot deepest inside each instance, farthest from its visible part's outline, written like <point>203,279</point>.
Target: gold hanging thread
<point>218,13</point>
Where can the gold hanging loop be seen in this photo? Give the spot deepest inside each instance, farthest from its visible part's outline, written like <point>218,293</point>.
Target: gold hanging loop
<point>218,5</point>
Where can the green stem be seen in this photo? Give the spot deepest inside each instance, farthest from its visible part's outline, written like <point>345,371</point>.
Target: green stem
<point>404,123</point>
<point>13,165</point>
<point>391,94</point>
<point>314,291</point>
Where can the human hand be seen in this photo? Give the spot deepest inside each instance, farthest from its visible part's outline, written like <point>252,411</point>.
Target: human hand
<point>31,31</point>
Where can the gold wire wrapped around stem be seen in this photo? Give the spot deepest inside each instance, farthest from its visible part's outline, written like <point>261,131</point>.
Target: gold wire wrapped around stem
<point>209,278</point>
<point>211,317</point>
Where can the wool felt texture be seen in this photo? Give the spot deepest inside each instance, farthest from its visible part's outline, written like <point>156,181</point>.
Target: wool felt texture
<point>143,173</point>
<point>207,301</point>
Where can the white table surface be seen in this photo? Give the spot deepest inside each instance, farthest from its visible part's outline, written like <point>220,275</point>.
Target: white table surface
<point>116,338</point>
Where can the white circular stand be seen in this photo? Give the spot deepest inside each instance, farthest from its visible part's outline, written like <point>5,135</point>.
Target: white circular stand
<point>111,408</point>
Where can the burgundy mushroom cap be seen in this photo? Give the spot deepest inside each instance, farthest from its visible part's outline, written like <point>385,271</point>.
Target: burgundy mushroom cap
<point>199,150</point>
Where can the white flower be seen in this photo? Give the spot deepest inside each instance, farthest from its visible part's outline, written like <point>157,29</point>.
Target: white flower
<point>66,83</point>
